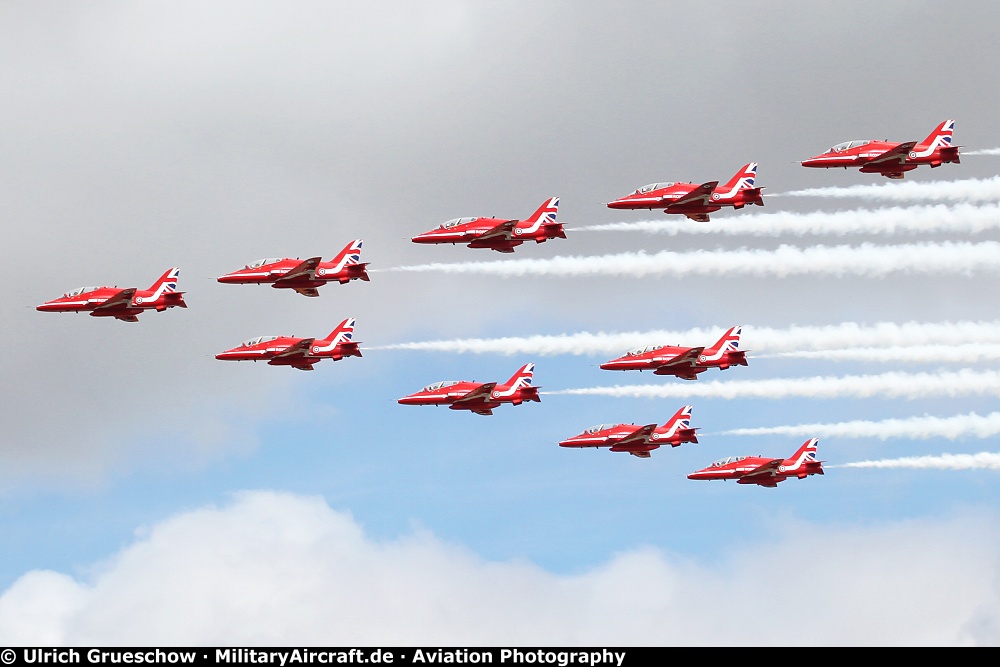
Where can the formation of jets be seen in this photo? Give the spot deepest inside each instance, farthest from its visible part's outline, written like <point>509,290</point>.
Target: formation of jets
<point>696,201</point>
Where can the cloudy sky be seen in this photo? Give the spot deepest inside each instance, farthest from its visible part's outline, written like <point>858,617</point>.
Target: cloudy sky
<point>152,494</point>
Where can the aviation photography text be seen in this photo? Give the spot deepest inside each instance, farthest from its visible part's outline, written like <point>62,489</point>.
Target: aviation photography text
<point>314,656</point>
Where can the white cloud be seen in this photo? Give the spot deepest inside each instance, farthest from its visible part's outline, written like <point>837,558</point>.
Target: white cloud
<point>279,569</point>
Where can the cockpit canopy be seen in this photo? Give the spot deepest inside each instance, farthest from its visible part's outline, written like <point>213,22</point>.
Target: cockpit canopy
<point>258,340</point>
<point>439,385</point>
<point>598,428</point>
<point>643,350</point>
<point>456,221</point>
<point>81,290</point>
<point>652,186</point>
<point>727,460</point>
<point>840,148</point>
<point>264,262</point>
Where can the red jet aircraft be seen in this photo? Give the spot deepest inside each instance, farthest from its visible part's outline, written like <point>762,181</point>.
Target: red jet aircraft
<point>696,201</point>
<point>300,353</point>
<point>499,234</point>
<point>479,397</point>
<point>891,159</point>
<point>303,276</point>
<point>684,362</point>
<point>764,471</point>
<point>122,304</point>
<point>638,440</point>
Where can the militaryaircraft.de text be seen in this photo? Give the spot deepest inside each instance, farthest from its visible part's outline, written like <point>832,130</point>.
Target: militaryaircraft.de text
<point>638,440</point>
<point>122,304</point>
<point>478,397</point>
<point>696,201</point>
<point>684,362</point>
<point>499,234</point>
<point>765,471</point>
<point>891,159</point>
<point>303,276</point>
<point>300,353</point>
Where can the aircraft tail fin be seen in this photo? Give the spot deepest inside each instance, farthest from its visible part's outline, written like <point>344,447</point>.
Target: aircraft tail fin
<point>165,284</point>
<point>940,138</point>
<point>546,213</point>
<point>743,179</point>
<point>680,420</point>
<point>349,256</point>
<point>343,333</point>
<point>730,342</point>
<point>679,427</point>
<point>520,380</point>
<point>804,458</point>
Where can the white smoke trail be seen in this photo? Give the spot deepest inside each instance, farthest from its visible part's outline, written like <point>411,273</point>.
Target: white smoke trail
<point>929,338</point>
<point>980,461</point>
<point>969,190</point>
<point>862,260</point>
<point>984,151</point>
<point>917,428</point>
<point>960,218</point>
<point>965,353</point>
<point>887,385</point>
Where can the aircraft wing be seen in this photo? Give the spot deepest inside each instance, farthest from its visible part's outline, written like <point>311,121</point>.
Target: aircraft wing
<point>122,299</point>
<point>299,349</point>
<point>699,195</point>
<point>502,231</point>
<point>478,395</point>
<point>306,269</point>
<point>685,359</point>
<point>640,436</point>
<point>763,474</point>
<point>896,154</point>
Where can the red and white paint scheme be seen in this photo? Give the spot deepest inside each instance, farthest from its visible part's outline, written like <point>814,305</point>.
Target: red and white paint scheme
<point>300,353</point>
<point>891,159</point>
<point>499,234</point>
<point>684,362</point>
<point>478,397</point>
<point>121,304</point>
<point>765,471</point>
<point>303,276</point>
<point>638,440</point>
<point>696,201</point>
